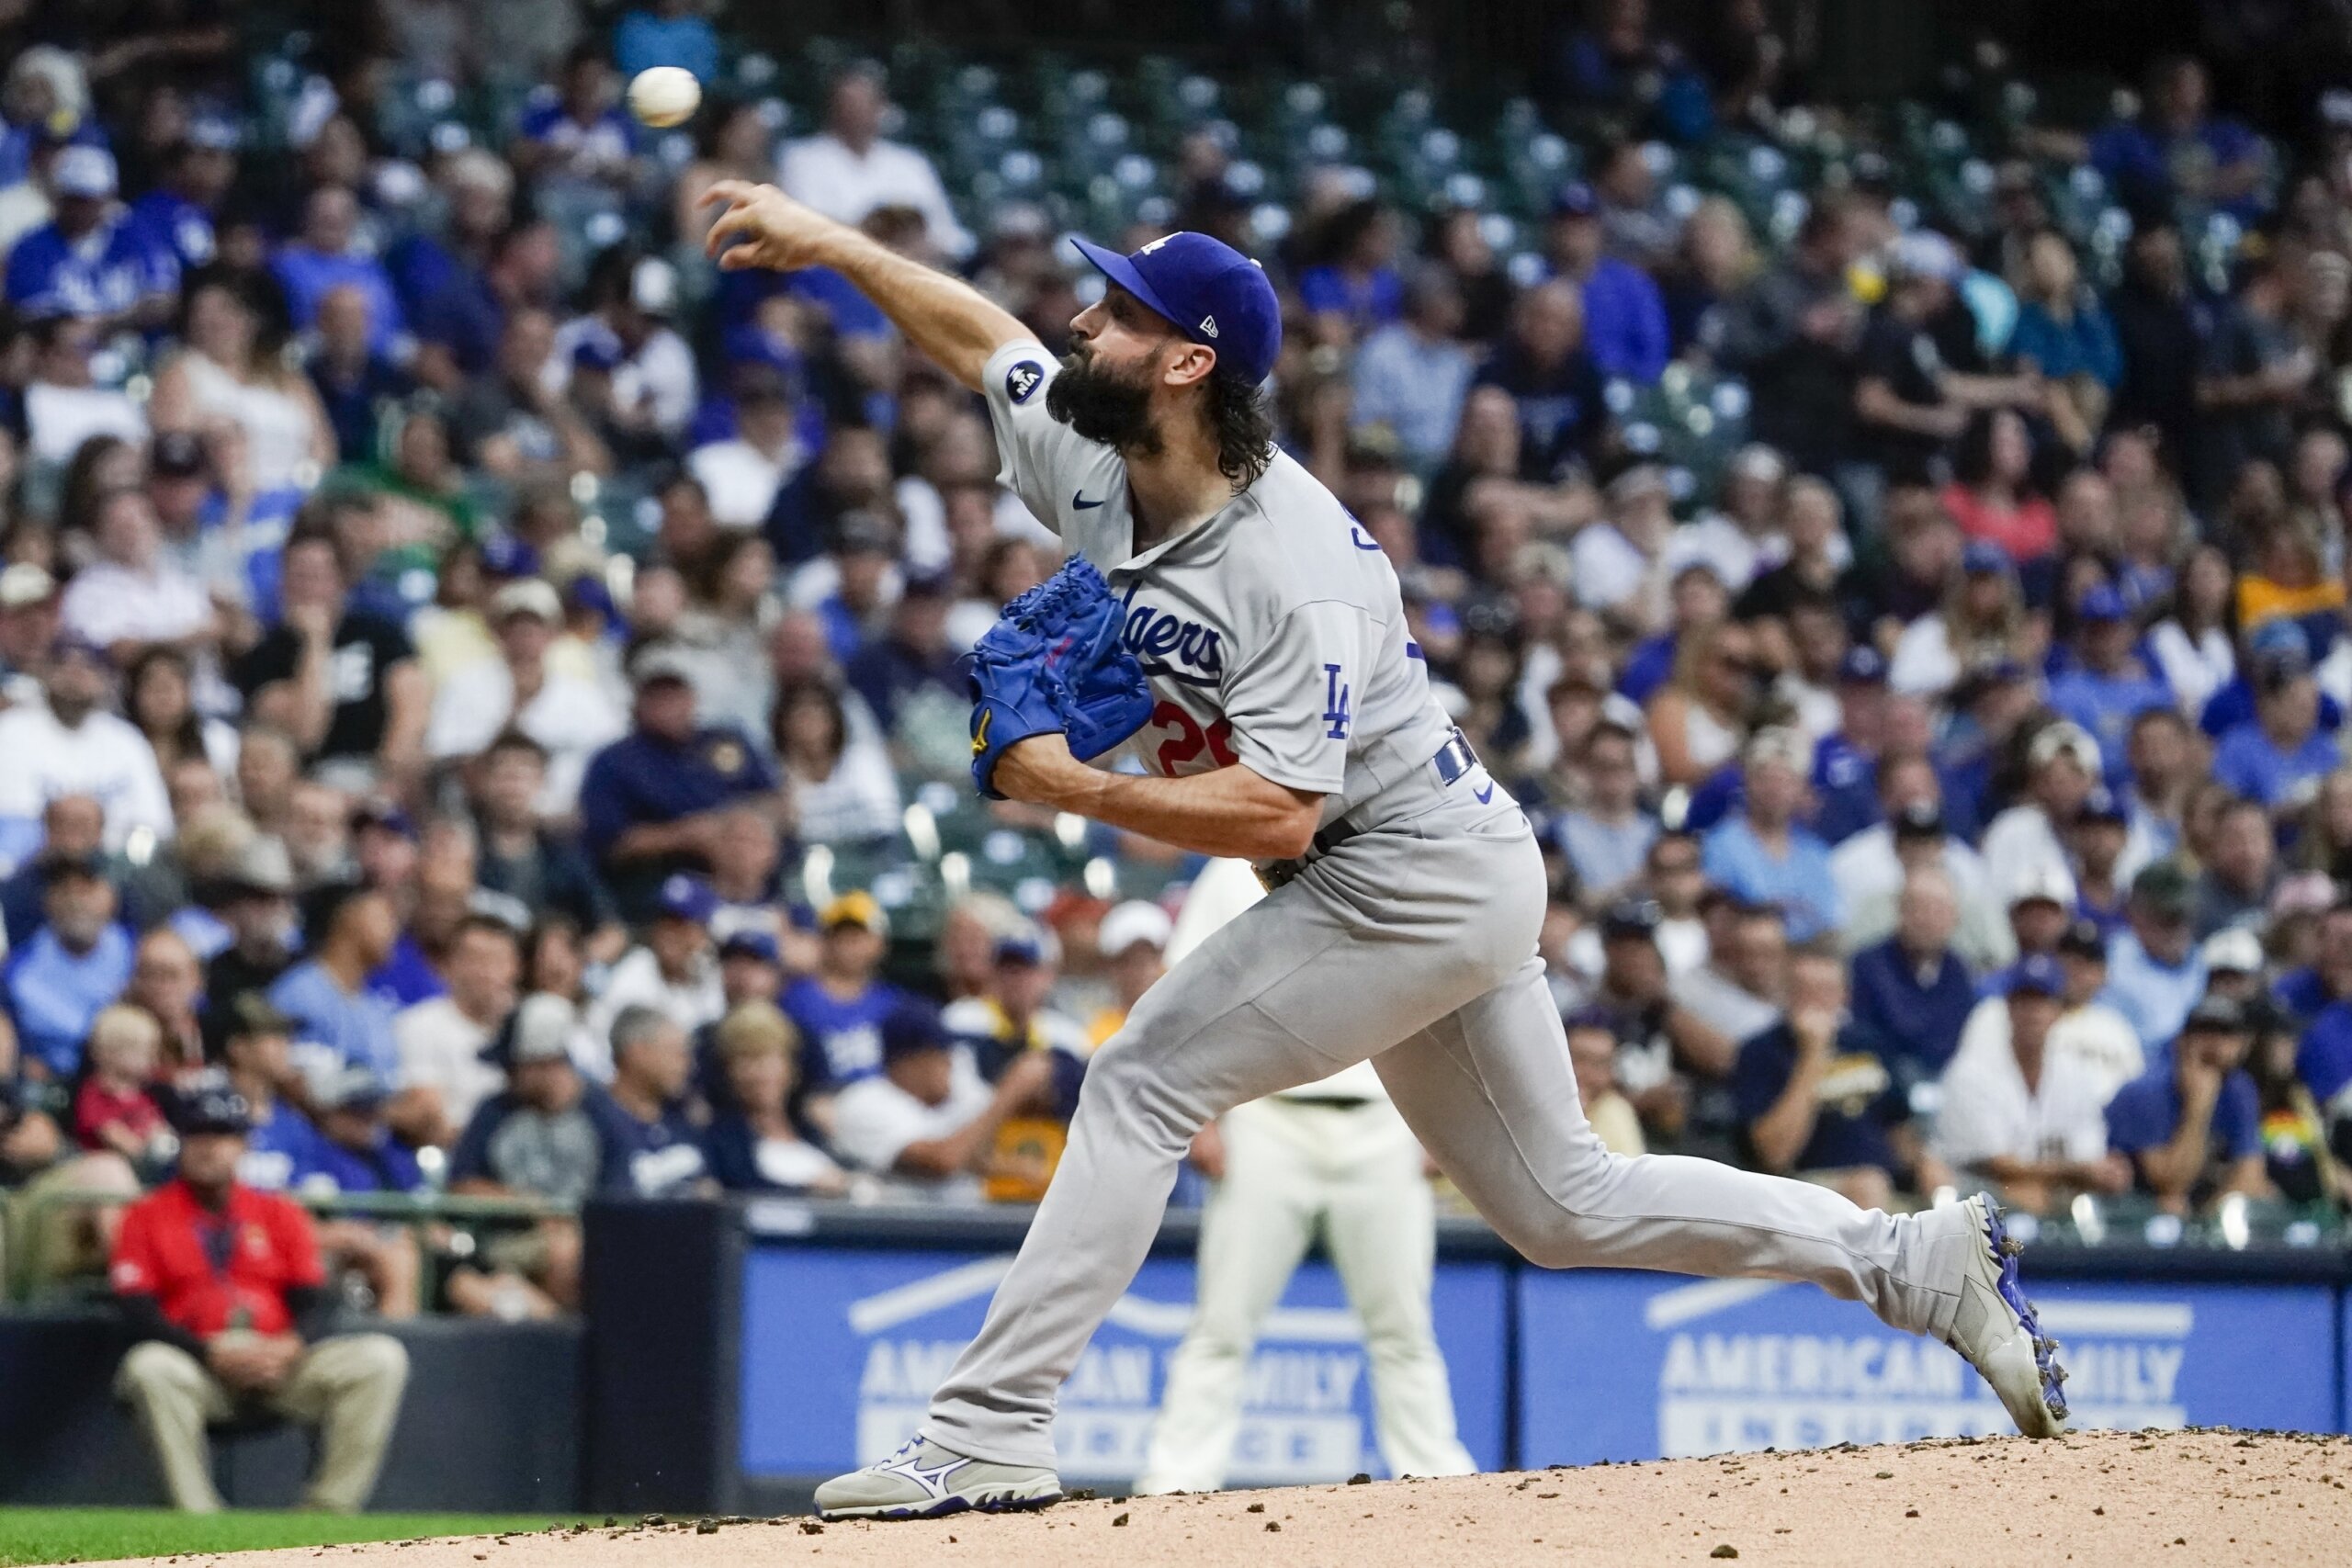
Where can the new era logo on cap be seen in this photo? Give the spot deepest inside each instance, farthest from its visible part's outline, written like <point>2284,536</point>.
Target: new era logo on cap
<point>1207,290</point>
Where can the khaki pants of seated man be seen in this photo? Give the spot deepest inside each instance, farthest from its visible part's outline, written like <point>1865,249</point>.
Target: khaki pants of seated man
<point>347,1386</point>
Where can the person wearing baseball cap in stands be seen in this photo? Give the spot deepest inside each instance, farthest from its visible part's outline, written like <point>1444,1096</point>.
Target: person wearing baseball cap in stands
<point>2154,974</point>
<point>2278,756</point>
<point>675,968</point>
<point>89,262</point>
<point>2110,685</point>
<point>2191,1126</point>
<point>1133,940</point>
<point>2022,1115</point>
<point>838,1008</point>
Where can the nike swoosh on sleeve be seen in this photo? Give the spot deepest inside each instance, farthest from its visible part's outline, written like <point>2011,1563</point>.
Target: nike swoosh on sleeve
<point>1078,503</point>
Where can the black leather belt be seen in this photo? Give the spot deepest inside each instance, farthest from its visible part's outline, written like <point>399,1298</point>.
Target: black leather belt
<point>1453,760</point>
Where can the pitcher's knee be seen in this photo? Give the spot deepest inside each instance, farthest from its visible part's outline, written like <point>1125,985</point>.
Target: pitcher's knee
<point>1125,1085</point>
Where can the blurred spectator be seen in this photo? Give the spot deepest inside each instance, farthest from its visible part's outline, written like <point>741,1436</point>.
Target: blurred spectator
<point>341,679</point>
<point>674,973</point>
<point>131,599</point>
<point>112,1110</point>
<point>1624,317</point>
<point>75,964</point>
<point>842,789</point>
<point>2241,872</point>
<point>68,744</point>
<point>1740,990</point>
<point>1761,854</point>
<point>1912,991</point>
<point>649,803</point>
<point>666,32</point>
<point>2276,756</point>
<point>2063,335</point>
<point>577,132</point>
<point>1133,940</point>
<point>656,1151</point>
<point>741,477</point>
<point>354,380</point>
<point>2176,146</point>
<point>199,170</point>
<point>850,168</point>
<point>2025,1117</point>
<point>521,856</point>
<point>2191,1126</point>
<point>1412,373</point>
<point>1553,383</point>
<point>1816,1099</point>
<point>928,1119</point>
<point>537,1138</point>
<point>2062,765</point>
<point>1592,1054</point>
<point>221,1324</point>
<point>441,1040</point>
<point>351,928</point>
<point>327,255</point>
<point>2155,971</point>
<point>91,261</point>
<point>229,376</point>
<point>838,1008</point>
<point>1607,841</point>
<point>570,716</point>
<point>756,1146</point>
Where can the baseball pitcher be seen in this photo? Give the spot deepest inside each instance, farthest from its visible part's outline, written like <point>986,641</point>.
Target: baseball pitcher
<point>1291,722</point>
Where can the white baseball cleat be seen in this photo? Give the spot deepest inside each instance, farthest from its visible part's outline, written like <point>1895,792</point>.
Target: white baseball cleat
<point>923,1481</point>
<point>1994,1327</point>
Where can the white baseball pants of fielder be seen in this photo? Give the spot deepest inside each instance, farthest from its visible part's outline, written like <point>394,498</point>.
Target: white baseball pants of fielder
<point>1412,945</point>
<point>1294,1168</point>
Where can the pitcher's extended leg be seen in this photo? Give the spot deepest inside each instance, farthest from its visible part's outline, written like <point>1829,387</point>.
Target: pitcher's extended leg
<point>1489,1092</point>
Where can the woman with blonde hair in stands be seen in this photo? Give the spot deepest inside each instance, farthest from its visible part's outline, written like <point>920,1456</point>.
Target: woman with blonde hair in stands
<point>755,1146</point>
<point>1699,720</point>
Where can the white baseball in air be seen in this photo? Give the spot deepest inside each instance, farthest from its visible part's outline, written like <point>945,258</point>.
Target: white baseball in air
<point>664,95</point>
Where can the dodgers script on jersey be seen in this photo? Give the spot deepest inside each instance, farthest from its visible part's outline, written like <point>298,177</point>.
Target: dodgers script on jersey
<point>1273,634</point>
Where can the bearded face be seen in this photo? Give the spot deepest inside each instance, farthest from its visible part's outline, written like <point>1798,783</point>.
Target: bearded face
<point>1104,403</point>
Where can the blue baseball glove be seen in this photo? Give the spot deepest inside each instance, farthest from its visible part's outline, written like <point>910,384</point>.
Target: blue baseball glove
<point>1053,661</point>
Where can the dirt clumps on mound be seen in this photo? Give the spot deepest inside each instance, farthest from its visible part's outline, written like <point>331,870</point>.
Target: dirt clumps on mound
<point>2210,1496</point>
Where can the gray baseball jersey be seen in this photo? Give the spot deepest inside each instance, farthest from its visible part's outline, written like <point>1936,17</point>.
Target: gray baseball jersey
<point>1273,633</point>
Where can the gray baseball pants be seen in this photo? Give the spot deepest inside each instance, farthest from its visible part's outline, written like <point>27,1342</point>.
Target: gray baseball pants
<point>1412,945</point>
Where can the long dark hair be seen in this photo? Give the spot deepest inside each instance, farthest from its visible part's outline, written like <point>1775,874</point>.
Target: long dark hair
<point>790,695</point>
<point>187,737</point>
<point>1243,422</point>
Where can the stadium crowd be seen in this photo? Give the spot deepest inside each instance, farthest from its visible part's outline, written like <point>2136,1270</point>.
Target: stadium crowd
<point>481,689</point>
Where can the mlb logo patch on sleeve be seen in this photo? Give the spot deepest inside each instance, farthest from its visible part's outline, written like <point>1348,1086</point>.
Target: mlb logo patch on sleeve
<point>1021,382</point>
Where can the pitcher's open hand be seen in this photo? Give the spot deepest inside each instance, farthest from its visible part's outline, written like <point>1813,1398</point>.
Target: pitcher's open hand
<point>763,227</point>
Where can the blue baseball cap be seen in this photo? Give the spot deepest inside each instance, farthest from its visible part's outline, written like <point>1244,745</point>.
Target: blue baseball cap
<point>910,1027</point>
<point>1983,555</point>
<point>685,897</point>
<point>1205,289</point>
<point>2036,972</point>
<point>2102,602</point>
<point>752,942</point>
<point>1863,666</point>
<point>2280,635</point>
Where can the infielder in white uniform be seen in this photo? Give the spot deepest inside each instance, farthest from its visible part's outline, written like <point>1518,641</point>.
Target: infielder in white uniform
<point>1295,727</point>
<point>1333,1156</point>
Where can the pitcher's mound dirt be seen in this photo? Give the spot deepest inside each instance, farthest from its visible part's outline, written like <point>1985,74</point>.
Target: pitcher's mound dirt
<point>2201,1497</point>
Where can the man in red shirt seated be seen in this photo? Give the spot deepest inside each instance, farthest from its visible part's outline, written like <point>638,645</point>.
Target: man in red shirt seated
<point>223,1285</point>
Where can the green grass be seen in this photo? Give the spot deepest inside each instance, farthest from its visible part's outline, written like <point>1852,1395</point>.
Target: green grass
<point>91,1535</point>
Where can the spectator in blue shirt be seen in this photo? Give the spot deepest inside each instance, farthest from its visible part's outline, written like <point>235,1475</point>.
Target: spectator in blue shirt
<point>1355,290</point>
<point>577,132</point>
<point>2192,1125</point>
<point>1607,838</point>
<point>357,1152</point>
<point>1815,1097</point>
<point>1624,315</point>
<point>352,930</point>
<point>2277,757</point>
<point>1760,855</point>
<point>667,32</point>
<point>838,1008</point>
<point>2109,685</point>
<point>644,1113</point>
<point>2154,973</point>
<point>90,262</point>
<point>256,1053</point>
<point>325,256</point>
<point>1411,375</point>
<point>1845,764</point>
<point>1912,992</point>
<point>1553,381</point>
<point>2176,148</point>
<point>650,802</point>
<point>177,218</point>
<point>75,963</point>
